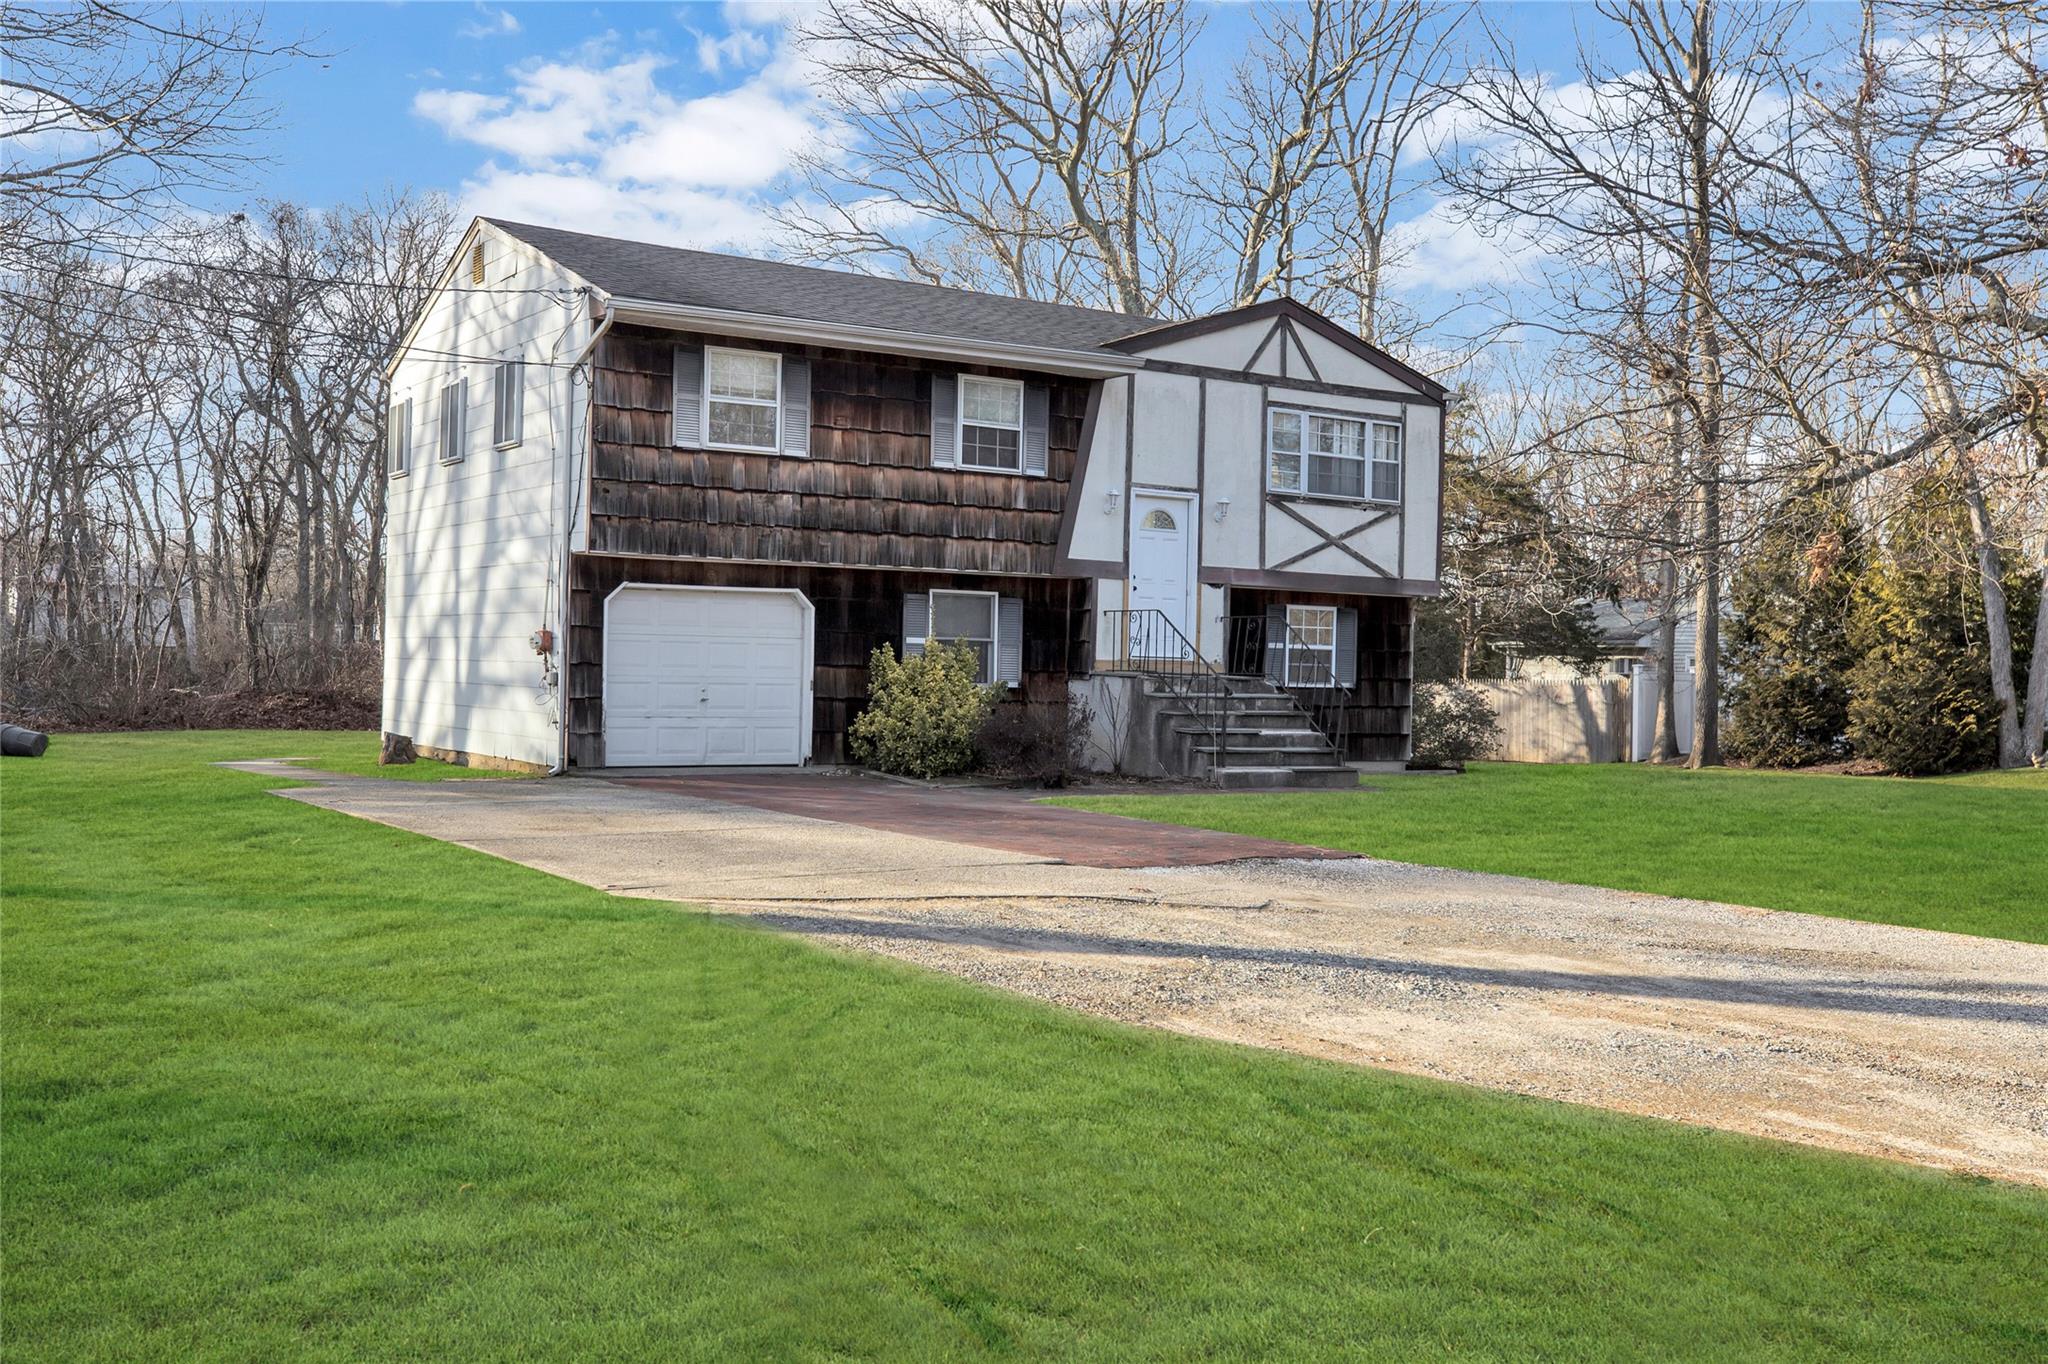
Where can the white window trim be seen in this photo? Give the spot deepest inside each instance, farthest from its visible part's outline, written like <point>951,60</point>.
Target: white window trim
<point>775,446</point>
<point>517,416</point>
<point>1329,652</point>
<point>960,425</point>
<point>1368,421</point>
<point>995,625</point>
<point>451,442</point>
<point>403,406</point>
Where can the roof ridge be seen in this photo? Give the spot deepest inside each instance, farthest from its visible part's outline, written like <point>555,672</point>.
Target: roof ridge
<point>1140,322</point>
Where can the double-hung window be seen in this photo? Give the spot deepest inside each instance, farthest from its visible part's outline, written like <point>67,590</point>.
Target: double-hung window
<point>744,390</point>
<point>1324,455</point>
<point>1311,646</point>
<point>398,438</point>
<point>508,403</point>
<point>991,423</point>
<point>970,618</point>
<point>453,396</point>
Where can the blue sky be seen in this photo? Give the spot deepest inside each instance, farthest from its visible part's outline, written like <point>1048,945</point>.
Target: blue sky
<point>669,122</point>
<point>397,101</point>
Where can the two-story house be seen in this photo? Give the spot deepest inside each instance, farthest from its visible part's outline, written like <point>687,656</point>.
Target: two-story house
<point>655,507</point>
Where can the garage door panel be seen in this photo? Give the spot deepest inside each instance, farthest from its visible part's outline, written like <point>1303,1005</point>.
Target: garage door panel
<point>702,676</point>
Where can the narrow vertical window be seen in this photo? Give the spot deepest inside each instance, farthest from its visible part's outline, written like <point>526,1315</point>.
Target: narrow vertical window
<point>398,438</point>
<point>451,421</point>
<point>508,405</point>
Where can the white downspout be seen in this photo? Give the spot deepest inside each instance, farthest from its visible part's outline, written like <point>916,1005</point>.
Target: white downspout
<point>568,508</point>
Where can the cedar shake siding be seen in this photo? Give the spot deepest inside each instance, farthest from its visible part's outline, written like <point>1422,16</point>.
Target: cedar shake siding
<point>1379,719</point>
<point>866,495</point>
<point>858,610</point>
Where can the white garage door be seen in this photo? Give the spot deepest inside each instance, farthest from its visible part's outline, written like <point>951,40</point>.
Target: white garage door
<point>699,676</point>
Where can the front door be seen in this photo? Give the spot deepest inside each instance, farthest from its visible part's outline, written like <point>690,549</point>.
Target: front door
<point>1163,563</point>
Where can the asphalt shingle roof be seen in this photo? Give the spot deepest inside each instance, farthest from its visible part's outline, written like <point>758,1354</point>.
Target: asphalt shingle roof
<point>705,279</point>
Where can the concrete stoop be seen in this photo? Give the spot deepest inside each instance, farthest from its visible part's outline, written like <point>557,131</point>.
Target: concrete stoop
<point>1268,741</point>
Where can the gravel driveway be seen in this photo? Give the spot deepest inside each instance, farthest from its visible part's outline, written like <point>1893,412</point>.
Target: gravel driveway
<point>1928,1047</point>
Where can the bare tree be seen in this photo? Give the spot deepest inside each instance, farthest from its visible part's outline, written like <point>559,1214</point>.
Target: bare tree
<point>1652,159</point>
<point>1024,146</point>
<point>113,111</point>
<point>1898,241</point>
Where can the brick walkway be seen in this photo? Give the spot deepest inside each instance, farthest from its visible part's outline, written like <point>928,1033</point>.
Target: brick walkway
<point>1010,820</point>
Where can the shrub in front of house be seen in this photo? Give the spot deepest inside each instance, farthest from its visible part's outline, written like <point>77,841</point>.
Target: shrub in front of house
<point>923,712</point>
<point>1453,724</point>
<point>1041,744</point>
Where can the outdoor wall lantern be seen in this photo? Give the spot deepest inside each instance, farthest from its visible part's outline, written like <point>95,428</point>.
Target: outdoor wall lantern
<point>1222,507</point>
<point>1109,501</point>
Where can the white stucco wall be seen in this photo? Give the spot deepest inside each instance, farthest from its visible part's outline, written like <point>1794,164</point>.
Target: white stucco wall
<point>471,546</point>
<point>1208,433</point>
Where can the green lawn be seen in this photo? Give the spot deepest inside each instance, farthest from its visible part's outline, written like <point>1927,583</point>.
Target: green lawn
<point>1966,854</point>
<point>353,753</point>
<point>284,1085</point>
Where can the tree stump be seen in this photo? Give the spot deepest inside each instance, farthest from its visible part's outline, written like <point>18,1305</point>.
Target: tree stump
<point>398,749</point>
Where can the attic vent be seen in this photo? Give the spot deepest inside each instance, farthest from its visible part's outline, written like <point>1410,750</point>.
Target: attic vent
<point>476,263</point>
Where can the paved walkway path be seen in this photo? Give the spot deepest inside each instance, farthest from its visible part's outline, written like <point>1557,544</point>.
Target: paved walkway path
<point>1009,820</point>
<point>1921,1046</point>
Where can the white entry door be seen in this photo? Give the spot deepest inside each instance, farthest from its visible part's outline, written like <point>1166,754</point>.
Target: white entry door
<point>699,676</point>
<point>1163,558</point>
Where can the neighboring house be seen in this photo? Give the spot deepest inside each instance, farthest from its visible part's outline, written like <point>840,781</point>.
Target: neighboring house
<point>653,507</point>
<point>1628,648</point>
<point>1628,636</point>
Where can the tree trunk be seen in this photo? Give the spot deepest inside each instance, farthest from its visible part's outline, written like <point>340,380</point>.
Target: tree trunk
<point>1706,694</point>
<point>1997,621</point>
<point>2035,737</point>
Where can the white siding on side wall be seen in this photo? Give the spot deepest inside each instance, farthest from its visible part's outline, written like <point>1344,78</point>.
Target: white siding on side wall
<point>471,546</point>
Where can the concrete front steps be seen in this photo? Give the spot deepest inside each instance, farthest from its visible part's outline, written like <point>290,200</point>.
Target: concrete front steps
<point>1268,741</point>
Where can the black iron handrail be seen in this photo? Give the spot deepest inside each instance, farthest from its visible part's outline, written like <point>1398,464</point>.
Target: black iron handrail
<point>1152,644</point>
<point>1305,671</point>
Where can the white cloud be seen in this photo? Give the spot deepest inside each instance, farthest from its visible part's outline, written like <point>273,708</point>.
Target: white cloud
<point>490,23</point>
<point>1441,248</point>
<point>740,48</point>
<point>601,142</point>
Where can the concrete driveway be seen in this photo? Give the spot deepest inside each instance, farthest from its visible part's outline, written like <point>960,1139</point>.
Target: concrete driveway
<point>1921,1046</point>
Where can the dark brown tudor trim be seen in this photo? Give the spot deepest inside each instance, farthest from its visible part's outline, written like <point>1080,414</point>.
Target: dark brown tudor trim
<point>1063,560</point>
<point>1321,582</point>
<point>1288,309</point>
<point>1385,395</point>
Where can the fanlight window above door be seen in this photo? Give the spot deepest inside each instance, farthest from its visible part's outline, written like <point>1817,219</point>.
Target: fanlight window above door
<point>1157,519</point>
